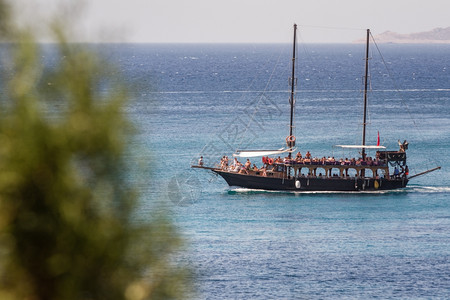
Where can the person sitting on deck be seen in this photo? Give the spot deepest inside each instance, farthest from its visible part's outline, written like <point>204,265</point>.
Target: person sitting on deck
<point>396,172</point>
<point>279,160</point>
<point>240,168</point>
<point>298,157</point>
<point>263,170</point>
<point>377,161</point>
<point>243,170</point>
<point>222,162</point>
<point>255,168</point>
<point>235,162</point>
<point>248,164</point>
<point>308,155</point>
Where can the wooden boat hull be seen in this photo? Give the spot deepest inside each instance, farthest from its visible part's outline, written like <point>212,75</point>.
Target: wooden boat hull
<point>309,184</point>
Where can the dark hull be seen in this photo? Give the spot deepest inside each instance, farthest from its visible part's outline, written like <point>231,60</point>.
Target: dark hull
<point>311,183</point>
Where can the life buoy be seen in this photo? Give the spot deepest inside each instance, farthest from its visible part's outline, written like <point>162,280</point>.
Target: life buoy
<point>264,159</point>
<point>290,139</point>
<point>270,161</point>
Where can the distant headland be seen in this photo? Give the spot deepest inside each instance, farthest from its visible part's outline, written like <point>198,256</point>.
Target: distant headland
<point>434,36</point>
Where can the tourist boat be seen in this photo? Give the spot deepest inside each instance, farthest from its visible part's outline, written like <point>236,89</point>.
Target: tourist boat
<point>386,171</point>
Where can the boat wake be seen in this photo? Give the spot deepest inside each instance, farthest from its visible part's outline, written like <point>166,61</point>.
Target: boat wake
<point>411,189</point>
<point>240,190</point>
<point>429,189</point>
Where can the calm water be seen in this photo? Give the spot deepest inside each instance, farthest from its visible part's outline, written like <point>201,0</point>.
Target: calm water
<point>212,99</point>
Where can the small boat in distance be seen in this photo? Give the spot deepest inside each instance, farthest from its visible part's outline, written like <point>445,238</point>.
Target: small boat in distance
<point>387,170</point>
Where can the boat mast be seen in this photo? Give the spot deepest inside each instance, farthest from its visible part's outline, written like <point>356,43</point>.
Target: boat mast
<point>291,99</point>
<point>365,95</point>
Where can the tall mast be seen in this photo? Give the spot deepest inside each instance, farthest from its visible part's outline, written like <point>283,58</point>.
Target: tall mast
<point>365,95</point>
<point>291,99</point>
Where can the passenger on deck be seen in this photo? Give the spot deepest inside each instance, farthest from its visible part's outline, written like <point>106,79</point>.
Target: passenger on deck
<point>299,156</point>
<point>255,168</point>
<point>248,164</point>
<point>308,155</point>
<point>263,170</point>
<point>243,170</point>
<point>200,161</point>
<point>396,172</point>
<point>377,161</point>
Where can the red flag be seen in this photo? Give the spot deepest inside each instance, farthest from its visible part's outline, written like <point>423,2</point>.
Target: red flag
<point>378,139</point>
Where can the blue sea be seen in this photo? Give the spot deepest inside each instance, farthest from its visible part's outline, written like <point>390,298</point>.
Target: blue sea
<point>212,99</point>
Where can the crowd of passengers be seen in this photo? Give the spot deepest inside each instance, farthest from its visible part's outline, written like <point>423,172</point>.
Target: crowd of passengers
<point>308,159</point>
<point>239,167</point>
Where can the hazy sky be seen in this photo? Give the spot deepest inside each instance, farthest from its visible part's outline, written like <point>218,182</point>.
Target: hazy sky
<point>246,20</point>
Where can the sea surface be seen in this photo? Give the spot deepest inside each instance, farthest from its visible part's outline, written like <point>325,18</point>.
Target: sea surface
<point>202,99</point>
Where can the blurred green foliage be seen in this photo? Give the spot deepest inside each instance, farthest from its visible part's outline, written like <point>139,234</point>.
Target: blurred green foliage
<point>66,210</point>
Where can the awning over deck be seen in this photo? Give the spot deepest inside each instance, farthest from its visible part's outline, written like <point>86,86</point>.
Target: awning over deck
<point>360,147</point>
<point>256,153</point>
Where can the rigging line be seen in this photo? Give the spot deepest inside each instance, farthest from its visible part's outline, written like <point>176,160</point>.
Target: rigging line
<point>397,89</point>
<point>239,101</point>
<point>284,91</point>
<point>260,98</point>
<point>369,79</point>
<point>332,28</point>
<point>251,84</point>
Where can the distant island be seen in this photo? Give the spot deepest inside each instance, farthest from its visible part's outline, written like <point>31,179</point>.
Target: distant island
<point>435,36</point>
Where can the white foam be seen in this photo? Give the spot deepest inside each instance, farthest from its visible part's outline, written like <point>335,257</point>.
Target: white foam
<point>419,189</point>
<point>430,189</point>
